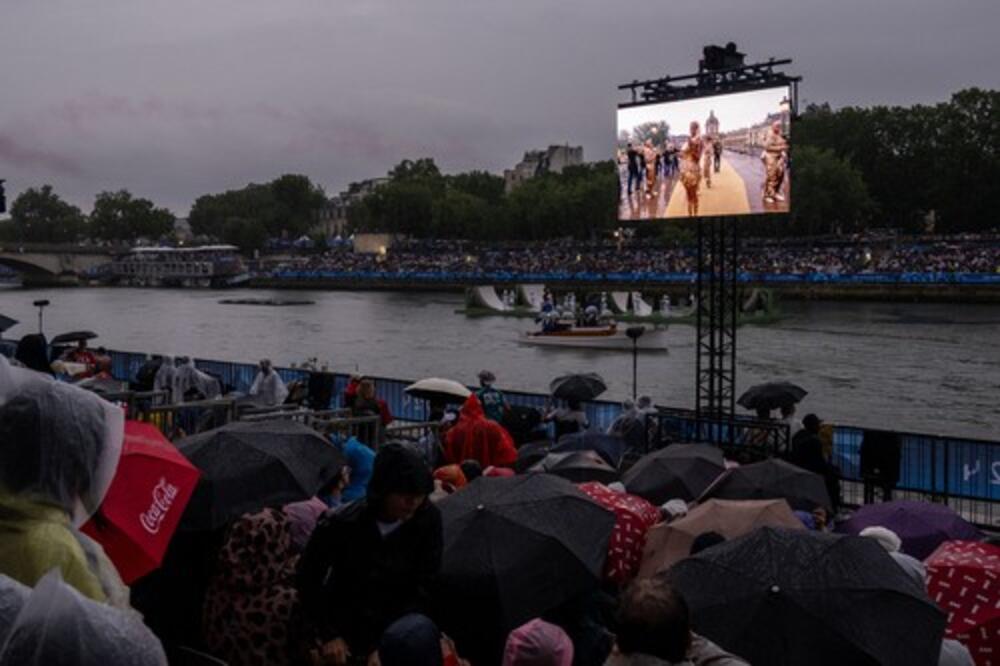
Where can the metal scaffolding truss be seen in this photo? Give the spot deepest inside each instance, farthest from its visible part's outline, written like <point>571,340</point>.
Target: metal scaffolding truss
<point>717,313</point>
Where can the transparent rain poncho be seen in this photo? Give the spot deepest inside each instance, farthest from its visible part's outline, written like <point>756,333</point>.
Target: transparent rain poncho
<point>12,597</point>
<point>57,626</point>
<point>164,378</point>
<point>187,377</point>
<point>59,444</point>
<point>269,388</point>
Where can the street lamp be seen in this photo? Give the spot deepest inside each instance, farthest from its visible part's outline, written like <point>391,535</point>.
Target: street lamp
<point>634,333</point>
<point>41,306</point>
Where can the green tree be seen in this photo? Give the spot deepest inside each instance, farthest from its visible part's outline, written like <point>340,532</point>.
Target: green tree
<point>286,206</point>
<point>830,195</point>
<point>40,215</point>
<point>486,186</point>
<point>120,216</point>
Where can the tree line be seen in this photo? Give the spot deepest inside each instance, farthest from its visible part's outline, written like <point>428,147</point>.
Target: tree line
<point>912,168</point>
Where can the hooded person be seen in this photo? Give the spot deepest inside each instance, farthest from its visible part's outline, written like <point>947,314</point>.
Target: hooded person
<point>360,459</point>
<point>538,643</point>
<point>59,449</point>
<point>478,438</point>
<point>268,386</point>
<point>163,380</point>
<point>189,382</point>
<point>369,562</point>
<point>57,626</point>
<point>33,352</point>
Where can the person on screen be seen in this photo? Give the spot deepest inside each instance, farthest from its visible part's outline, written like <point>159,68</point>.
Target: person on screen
<point>633,168</point>
<point>708,153</point>
<point>717,153</point>
<point>649,153</point>
<point>691,167</point>
<point>774,156</point>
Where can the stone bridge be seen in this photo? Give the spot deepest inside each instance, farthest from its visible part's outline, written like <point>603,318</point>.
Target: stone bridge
<point>40,264</point>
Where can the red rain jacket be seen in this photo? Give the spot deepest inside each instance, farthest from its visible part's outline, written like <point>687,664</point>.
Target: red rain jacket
<point>478,438</point>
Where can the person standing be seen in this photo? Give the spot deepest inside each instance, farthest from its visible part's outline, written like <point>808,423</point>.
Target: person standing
<point>649,154</point>
<point>633,168</point>
<point>369,563</point>
<point>708,157</point>
<point>717,152</point>
<point>774,156</point>
<point>691,167</point>
<point>494,403</point>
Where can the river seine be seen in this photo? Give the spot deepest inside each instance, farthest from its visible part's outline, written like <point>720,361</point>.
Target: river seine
<point>927,368</point>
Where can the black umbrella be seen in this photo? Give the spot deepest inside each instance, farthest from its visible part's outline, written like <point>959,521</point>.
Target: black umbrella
<point>610,447</point>
<point>577,466</point>
<point>578,387</point>
<point>515,548</point>
<point>247,466</point>
<point>780,597</point>
<point>6,322</point>
<point>772,395</point>
<point>772,479</point>
<point>531,453</point>
<point>681,471</point>
<point>73,336</point>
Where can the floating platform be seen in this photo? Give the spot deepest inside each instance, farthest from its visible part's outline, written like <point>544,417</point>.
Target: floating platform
<point>264,301</point>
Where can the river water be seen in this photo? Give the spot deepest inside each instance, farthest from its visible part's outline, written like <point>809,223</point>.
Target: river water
<point>920,367</point>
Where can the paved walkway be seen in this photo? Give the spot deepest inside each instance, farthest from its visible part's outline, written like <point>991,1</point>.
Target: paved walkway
<point>727,196</point>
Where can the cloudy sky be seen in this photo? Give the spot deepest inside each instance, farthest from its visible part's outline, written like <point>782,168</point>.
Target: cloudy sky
<point>176,98</point>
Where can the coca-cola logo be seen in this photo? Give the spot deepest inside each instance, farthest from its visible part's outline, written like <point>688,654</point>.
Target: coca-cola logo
<point>163,497</point>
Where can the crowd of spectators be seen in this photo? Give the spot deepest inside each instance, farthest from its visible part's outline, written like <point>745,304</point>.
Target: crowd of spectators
<point>796,258</point>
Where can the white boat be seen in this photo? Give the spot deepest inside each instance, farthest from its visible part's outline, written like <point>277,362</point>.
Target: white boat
<point>610,336</point>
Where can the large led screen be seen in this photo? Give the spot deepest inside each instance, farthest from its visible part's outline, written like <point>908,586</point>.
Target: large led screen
<point>706,156</point>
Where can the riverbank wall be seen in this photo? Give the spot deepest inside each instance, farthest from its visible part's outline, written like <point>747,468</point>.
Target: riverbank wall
<point>897,292</point>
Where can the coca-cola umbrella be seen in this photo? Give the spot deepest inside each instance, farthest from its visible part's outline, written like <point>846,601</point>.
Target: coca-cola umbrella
<point>144,504</point>
<point>634,517</point>
<point>248,465</point>
<point>962,578</point>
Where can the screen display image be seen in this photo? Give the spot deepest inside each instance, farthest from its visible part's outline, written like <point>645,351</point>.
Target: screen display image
<point>707,156</point>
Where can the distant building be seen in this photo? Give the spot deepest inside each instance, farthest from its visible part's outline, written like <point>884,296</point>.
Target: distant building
<point>182,229</point>
<point>537,162</point>
<point>712,125</point>
<point>331,220</point>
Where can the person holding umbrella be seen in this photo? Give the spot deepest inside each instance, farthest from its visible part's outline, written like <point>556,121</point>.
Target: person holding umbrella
<point>368,563</point>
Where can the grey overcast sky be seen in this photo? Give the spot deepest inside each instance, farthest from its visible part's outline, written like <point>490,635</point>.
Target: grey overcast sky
<point>175,98</point>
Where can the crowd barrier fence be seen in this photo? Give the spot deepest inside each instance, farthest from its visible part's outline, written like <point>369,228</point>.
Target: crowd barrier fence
<point>964,472</point>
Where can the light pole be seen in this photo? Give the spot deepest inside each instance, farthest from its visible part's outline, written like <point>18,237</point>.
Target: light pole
<point>41,306</point>
<point>635,332</point>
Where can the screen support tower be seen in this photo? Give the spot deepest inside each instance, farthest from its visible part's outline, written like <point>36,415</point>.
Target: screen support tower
<point>717,312</point>
<point>722,70</point>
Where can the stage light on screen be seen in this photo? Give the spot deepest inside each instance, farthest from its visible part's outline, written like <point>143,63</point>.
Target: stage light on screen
<point>718,155</point>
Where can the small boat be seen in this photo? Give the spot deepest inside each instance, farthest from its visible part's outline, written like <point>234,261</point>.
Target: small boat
<point>609,336</point>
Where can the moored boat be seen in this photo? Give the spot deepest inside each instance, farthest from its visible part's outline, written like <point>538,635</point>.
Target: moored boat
<point>610,336</point>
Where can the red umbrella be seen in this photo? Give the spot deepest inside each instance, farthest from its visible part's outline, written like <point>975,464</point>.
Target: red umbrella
<point>138,516</point>
<point>633,518</point>
<point>963,578</point>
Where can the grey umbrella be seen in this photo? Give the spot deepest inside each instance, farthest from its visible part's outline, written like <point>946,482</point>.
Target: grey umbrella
<point>772,395</point>
<point>581,387</point>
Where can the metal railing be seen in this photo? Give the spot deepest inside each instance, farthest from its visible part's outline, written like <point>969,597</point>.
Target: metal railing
<point>963,472</point>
